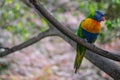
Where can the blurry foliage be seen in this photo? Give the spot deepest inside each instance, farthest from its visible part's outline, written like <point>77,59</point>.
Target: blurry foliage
<point>18,20</point>
<point>22,22</point>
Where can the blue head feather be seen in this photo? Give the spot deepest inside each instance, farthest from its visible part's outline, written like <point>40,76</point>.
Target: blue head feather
<point>98,15</point>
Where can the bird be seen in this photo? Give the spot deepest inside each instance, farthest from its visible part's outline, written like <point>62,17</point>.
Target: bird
<point>88,29</point>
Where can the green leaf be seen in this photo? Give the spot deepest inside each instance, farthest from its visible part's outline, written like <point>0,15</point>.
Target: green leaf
<point>109,25</point>
<point>44,22</point>
<point>17,6</point>
<point>10,28</point>
<point>9,1</point>
<point>92,8</point>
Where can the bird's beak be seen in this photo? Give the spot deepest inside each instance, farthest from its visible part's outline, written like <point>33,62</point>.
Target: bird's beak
<point>103,19</point>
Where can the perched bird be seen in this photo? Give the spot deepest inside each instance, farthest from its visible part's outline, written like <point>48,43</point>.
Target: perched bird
<point>88,30</point>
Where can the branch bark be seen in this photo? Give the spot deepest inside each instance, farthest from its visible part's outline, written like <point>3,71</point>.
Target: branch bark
<point>39,7</point>
<point>104,64</point>
<point>49,32</point>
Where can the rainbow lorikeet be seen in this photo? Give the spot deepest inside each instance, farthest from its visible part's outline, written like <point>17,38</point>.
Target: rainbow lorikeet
<point>88,30</point>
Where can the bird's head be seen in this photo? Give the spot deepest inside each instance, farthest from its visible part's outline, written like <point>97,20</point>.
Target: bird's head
<point>99,16</point>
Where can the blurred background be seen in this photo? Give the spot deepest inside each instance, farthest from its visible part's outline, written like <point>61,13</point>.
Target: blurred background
<point>52,58</point>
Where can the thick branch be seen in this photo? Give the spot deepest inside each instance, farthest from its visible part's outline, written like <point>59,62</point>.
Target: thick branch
<point>104,64</point>
<point>71,35</point>
<point>49,32</point>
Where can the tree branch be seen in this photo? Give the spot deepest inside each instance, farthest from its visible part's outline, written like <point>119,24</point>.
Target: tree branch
<point>102,63</point>
<point>105,64</point>
<point>38,6</point>
<point>49,32</point>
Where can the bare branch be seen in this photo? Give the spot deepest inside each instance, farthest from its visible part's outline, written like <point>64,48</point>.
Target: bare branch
<point>49,32</point>
<point>102,63</point>
<point>105,64</point>
<point>70,34</point>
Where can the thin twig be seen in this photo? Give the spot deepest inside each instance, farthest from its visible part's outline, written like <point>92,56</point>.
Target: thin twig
<point>49,32</point>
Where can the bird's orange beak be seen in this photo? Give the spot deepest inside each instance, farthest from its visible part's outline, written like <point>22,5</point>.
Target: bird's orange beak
<point>103,19</point>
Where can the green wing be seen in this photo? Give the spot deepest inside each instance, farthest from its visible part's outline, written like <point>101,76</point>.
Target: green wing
<point>80,51</point>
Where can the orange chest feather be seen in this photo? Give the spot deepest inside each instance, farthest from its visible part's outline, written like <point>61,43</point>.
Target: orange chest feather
<point>91,25</point>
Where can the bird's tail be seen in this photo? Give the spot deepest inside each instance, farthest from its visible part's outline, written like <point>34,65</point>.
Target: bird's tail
<point>79,56</point>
